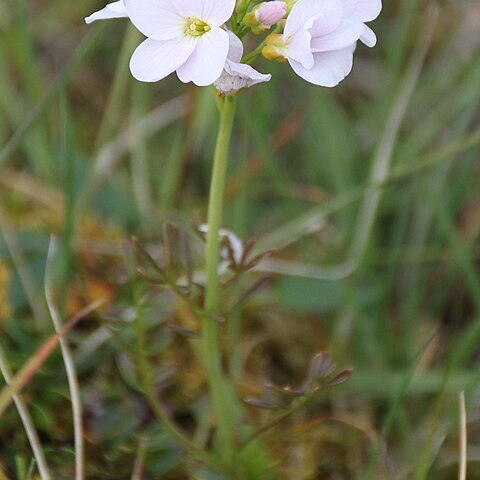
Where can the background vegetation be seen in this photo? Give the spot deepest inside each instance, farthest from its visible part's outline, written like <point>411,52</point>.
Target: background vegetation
<point>368,192</point>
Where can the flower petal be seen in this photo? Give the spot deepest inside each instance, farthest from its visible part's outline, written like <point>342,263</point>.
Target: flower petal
<point>362,10</point>
<point>235,49</point>
<point>217,12</point>
<point>206,63</point>
<point>329,69</point>
<point>349,7</point>
<point>237,76</point>
<point>347,33</point>
<point>368,37</point>
<point>112,10</point>
<point>154,60</point>
<point>330,11</point>
<point>157,19</point>
<point>298,48</point>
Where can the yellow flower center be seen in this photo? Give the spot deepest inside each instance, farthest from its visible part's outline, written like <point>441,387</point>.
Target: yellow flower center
<point>196,27</point>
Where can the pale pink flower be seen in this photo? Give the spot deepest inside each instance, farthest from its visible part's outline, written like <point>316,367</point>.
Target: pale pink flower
<point>236,75</point>
<point>320,37</point>
<point>183,36</point>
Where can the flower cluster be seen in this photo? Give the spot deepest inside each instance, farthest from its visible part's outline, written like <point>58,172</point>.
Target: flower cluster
<point>201,40</point>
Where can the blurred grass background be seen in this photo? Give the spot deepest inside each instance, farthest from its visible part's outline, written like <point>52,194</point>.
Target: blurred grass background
<point>369,192</point>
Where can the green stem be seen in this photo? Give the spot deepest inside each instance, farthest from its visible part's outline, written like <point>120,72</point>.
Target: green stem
<point>252,56</point>
<point>249,58</point>
<point>221,393</point>
<point>266,428</point>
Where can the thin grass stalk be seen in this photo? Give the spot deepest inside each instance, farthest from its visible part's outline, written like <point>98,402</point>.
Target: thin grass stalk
<point>33,364</point>
<point>20,467</point>
<point>68,177</point>
<point>462,463</point>
<point>69,366</point>
<point>383,160</point>
<point>384,155</point>
<point>315,219</point>
<point>27,422</point>
<point>139,465</point>
<point>31,470</point>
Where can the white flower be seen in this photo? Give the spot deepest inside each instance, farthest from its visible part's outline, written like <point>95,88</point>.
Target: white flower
<point>236,75</point>
<point>320,37</point>
<point>112,10</point>
<point>183,36</point>
<point>235,244</point>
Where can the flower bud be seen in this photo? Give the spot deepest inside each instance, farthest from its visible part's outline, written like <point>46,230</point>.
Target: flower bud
<point>270,13</point>
<point>264,16</point>
<point>275,48</point>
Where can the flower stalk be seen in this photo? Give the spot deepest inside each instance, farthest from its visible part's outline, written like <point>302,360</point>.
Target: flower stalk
<point>223,400</point>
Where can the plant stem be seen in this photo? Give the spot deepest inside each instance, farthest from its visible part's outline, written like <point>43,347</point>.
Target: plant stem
<point>252,56</point>
<point>249,58</point>
<point>281,418</point>
<point>221,393</point>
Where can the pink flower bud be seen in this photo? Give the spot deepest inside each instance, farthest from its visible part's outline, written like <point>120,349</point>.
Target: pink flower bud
<point>270,13</point>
